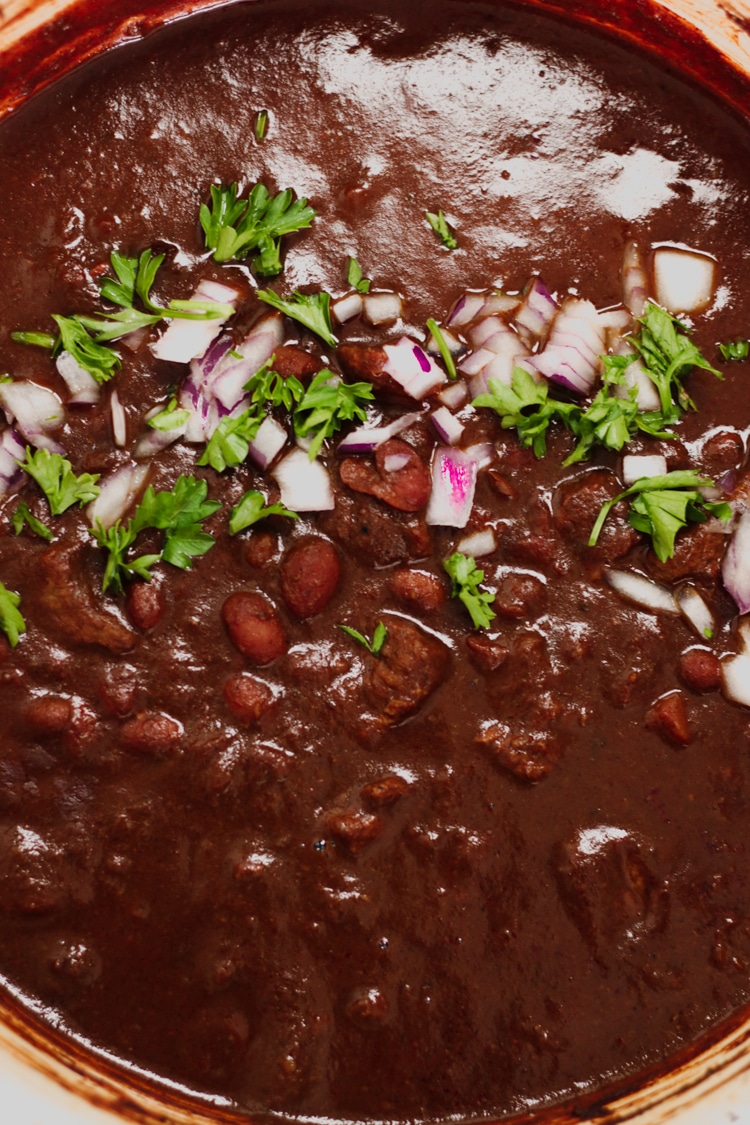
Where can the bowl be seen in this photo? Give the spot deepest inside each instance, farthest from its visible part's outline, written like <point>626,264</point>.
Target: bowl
<point>46,1079</point>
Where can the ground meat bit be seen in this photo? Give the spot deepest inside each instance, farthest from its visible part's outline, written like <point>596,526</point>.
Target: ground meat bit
<point>543,551</point>
<point>247,698</point>
<point>578,502</point>
<point>254,626</point>
<point>151,733</point>
<point>260,548</point>
<point>520,595</point>
<point>698,552</point>
<point>386,791</point>
<point>354,829</point>
<point>410,666</point>
<point>373,534</point>
<point>487,654</point>
<point>363,361</point>
<point>721,453</point>
<point>145,604</point>
<point>398,477</point>
<point>667,717</point>
<point>71,606</point>
<point>419,588</point>
<point>291,361</point>
<point>48,715</point>
<point>528,755</point>
<point>700,669</point>
<point>309,575</point>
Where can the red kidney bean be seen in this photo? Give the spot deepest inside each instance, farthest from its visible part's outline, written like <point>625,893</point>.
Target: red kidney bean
<point>424,590</point>
<point>145,604</point>
<point>152,733</point>
<point>260,548</point>
<point>700,669</point>
<point>247,698</point>
<point>254,626</point>
<point>310,575</point>
<point>48,715</point>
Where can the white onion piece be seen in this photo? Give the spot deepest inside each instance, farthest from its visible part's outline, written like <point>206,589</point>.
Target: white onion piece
<point>367,438</point>
<point>448,427</point>
<point>735,569</point>
<point>483,453</point>
<point>479,544</point>
<point>184,340</point>
<point>694,609</point>
<point>735,676</point>
<point>454,479</point>
<point>497,302</point>
<point>347,308</point>
<point>635,286</point>
<point>636,376</point>
<point>119,422</point>
<point>83,387</point>
<point>743,634</point>
<point>642,591</point>
<point>12,450</point>
<point>537,311</point>
<point>452,343</point>
<point>382,308</point>
<point>684,279</point>
<point>394,462</point>
<point>36,411</point>
<point>119,492</point>
<point>305,485</point>
<point>454,396</point>
<point>409,364</point>
<point>268,443</point>
<point>635,466</point>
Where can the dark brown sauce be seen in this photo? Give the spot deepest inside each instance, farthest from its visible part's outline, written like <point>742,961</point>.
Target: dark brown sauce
<point>242,911</point>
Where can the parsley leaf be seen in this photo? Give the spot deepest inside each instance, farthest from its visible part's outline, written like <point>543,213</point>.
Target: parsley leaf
<point>466,577</point>
<point>313,310</point>
<point>100,362</point>
<point>267,388</point>
<point>355,278</point>
<point>735,349</point>
<point>233,227</point>
<point>327,404</point>
<point>668,354</point>
<point>445,352</point>
<point>117,541</point>
<point>662,506</point>
<point>54,475</point>
<point>439,224</point>
<point>251,508</point>
<point>526,405</point>
<point>22,516</point>
<point>379,637</point>
<point>169,418</point>
<point>229,444</point>
<point>11,620</point>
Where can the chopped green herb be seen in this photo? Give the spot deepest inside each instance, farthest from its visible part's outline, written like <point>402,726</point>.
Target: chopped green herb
<point>23,516</point>
<point>313,310</point>
<point>100,362</point>
<point>668,354</point>
<point>466,577</point>
<point>735,349</point>
<point>233,227</point>
<point>355,278</point>
<point>11,620</point>
<point>439,224</point>
<point>261,124</point>
<point>526,405</point>
<point>663,506</point>
<point>379,637</point>
<point>54,475</point>
<point>327,404</point>
<point>267,388</point>
<point>445,352</point>
<point>35,339</point>
<point>117,541</point>
<point>229,444</point>
<point>169,418</point>
<point>251,508</point>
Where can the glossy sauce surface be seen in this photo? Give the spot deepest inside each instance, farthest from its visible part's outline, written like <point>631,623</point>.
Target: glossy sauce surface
<point>361,903</point>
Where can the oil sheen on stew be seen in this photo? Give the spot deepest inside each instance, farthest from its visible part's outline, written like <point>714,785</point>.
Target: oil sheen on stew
<point>437,864</point>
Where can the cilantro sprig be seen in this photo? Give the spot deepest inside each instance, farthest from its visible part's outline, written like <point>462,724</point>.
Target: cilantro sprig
<point>267,388</point>
<point>735,349</point>
<point>355,277</point>
<point>662,506</point>
<point>23,516</point>
<point>527,406</point>
<point>11,618</point>
<point>313,310</point>
<point>668,354</point>
<point>379,637</point>
<point>466,578</point>
<point>233,226</point>
<point>327,404</point>
<point>252,508</point>
<point>439,224</point>
<point>178,512</point>
<point>54,475</point>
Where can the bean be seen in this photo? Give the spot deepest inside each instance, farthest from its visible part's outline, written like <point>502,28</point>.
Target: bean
<point>48,715</point>
<point>310,575</point>
<point>421,589</point>
<point>254,626</point>
<point>700,669</point>
<point>152,733</point>
<point>247,698</point>
<point>260,548</point>
<point>145,604</point>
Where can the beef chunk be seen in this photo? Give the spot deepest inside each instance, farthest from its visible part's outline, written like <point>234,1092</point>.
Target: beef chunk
<point>410,666</point>
<point>698,551</point>
<point>397,477</point>
<point>74,609</point>
<point>577,504</point>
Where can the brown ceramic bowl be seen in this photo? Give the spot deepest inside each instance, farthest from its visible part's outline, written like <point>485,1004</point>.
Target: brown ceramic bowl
<point>45,1080</point>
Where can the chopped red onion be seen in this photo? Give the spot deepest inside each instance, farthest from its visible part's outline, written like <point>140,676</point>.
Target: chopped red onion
<point>448,427</point>
<point>636,466</point>
<point>269,442</point>
<point>485,329</point>
<point>500,352</point>
<point>133,340</point>
<point>475,362</point>
<point>382,308</point>
<point>616,320</point>
<point>571,355</point>
<point>229,377</point>
<point>454,479</point>
<point>636,588</point>
<point>305,485</point>
<point>83,387</point>
<point>479,544</point>
<point>184,340</point>
<point>119,422</point>
<point>347,308</point>
<point>466,309</point>
<point>483,453</point>
<point>635,286</point>
<point>694,609</point>
<point>684,279</point>
<point>368,438</point>
<point>735,570</point>
<point>735,676</point>
<point>153,441</point>
<point>119,492</point>
<point>409,364</point>
<point>636,376</point>
<point>497,302</point>
<point>537,311</point>
<point>36,410</point>
<point>454,395</point>
<point>12,450</point>
<point>395,462</point>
